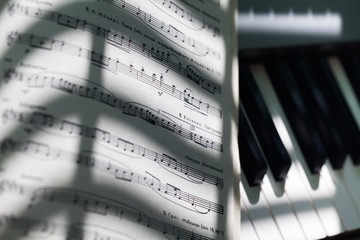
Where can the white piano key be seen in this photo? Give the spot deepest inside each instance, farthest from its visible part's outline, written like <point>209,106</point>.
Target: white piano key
<point>282,211</point>
<point>259,213</point>
<point>247,229</point>
<point>317,187</point>
<point>304,206</point>
<point>351,175</point>
<point>341,198</point>
<point>313,207</point>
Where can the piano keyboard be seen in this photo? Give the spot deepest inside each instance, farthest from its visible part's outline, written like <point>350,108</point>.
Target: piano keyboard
<point>300,121</point>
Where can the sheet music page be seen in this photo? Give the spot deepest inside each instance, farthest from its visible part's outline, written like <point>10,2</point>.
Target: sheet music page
<point>118,120</point>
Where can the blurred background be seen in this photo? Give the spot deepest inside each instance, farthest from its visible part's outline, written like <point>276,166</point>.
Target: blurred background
<point>312,22</point>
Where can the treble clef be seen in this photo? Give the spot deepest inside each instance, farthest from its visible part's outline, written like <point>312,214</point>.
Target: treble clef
<point>11,9</point>
<point>11,37</point>
<point>8,74</point>
<point>6,145</point>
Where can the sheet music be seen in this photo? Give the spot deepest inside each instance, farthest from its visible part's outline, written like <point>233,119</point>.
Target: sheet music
<point>118,120</point>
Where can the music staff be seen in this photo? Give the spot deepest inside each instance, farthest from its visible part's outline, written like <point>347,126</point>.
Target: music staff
<point>45,228</point>
<point>192,21</point>
<point>191,44</point>
<point>124,173</point>
<point>70,128</point>
<point>169,163</point>
<point>122,42</point>
<point>104,62</point>
<point>47,87</point>
<point>166,29</point>
<point>132,109</point>
<point>96,204</point>
<point>97,93</point>
<point>39,119</point>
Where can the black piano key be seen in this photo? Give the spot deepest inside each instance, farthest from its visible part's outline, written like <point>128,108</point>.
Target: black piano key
<point>252,160</point>
<point>341,110</point>
<point>297,114</point>
<point>273,148</point>
<point>351,64</point>
<point>320,111</point>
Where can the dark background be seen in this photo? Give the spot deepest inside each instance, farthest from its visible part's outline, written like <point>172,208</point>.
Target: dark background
<point>348,10</point>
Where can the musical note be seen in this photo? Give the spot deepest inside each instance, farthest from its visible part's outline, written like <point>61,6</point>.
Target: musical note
<point>176,33</point>
<point>67,21</point>
<point>123,175</point>
<point>36,82</point>
<point>99,59</point>
<point>114,39</point>
<point>177,9</point>
<point>163,28</point>
<point>167,190</point>
<point>101,32</point>
<point>38,11</point>
<point>38,149</point>
<point>136,110</point>
<point>110,207</point>
<point>39,119</point>
<point>83,91</point>
<point>186,18</point>
<point>44,228</point>
<point>63,85</point>
<point>40,195</point>
<point>152,181</point>
<point>132,109</point>
<point>46,152</point>
<point>114,65</point>
<point>89,91</point>
<point>65,126</point>
<point>95,206</point>
<point>101,135</point>
<point>149,18</point>
<point>170,125</point>
<point>176,192</point>
<point>40,42</point>
<point>161,78</point>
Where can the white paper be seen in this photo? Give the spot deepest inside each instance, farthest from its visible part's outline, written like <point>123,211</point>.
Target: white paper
<point>117,120</point>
